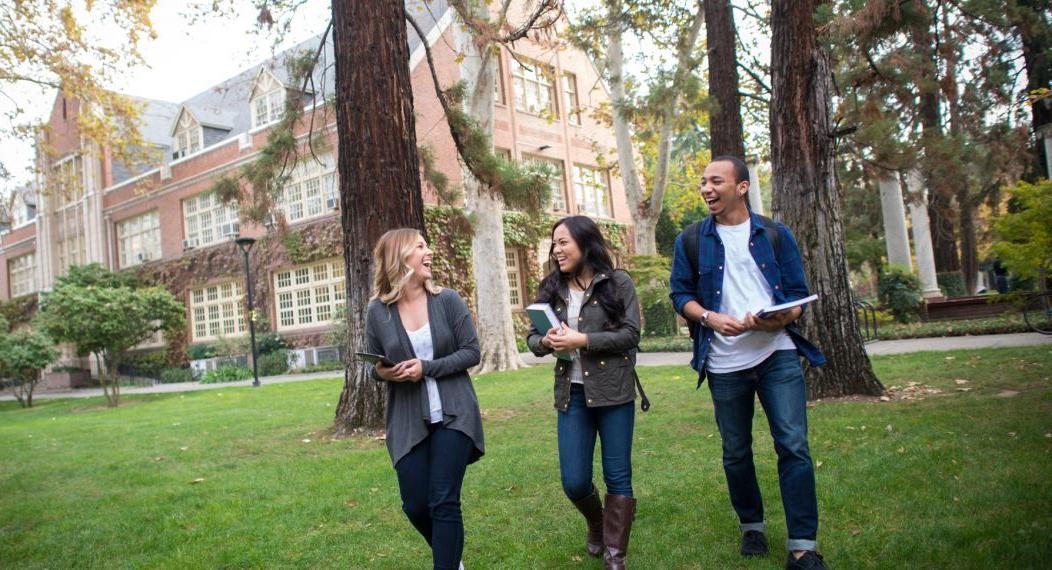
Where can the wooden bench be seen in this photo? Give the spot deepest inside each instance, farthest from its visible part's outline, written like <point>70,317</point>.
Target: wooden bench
<point>960,308</point>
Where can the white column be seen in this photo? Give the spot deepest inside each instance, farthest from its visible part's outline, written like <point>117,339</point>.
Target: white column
<point>755,192</point>
<point>922,236</point>
<point>894,213</point>
<point>1047,138</point>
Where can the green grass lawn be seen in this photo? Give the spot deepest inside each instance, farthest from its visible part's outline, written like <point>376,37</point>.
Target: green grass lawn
<point>958,476</point>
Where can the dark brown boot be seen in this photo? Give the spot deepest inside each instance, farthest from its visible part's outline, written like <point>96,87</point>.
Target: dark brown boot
<point>617,526</point>
<point>592,509</point>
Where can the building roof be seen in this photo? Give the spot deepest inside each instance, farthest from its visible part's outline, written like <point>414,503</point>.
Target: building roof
<point>225,106</point>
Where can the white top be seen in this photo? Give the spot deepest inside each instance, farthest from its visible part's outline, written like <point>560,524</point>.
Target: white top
<point>425,350</point>
<point>745,290</point>
<point>573,312</point>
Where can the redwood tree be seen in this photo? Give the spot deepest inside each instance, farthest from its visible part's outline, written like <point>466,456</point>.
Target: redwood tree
<point>725,121</point>
<point>806,198</point>
<point>378,168</point>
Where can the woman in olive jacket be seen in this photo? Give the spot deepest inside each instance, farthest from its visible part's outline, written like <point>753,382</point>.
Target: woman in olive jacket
<point>595,391</point>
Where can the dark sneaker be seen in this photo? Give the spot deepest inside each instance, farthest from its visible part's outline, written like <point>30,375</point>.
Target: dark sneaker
<point>754,543</point>
<point>811,560</point>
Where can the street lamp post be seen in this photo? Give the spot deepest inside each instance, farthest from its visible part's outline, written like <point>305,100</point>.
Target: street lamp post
<point>245,244</point>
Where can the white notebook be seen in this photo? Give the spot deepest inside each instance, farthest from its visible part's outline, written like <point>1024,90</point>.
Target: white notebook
<point>768,311</point>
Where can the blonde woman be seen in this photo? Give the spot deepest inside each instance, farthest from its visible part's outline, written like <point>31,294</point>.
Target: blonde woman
<point>434,428</point>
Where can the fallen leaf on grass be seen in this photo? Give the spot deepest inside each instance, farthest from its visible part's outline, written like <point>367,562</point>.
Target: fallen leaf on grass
<point>1011,434</point>
<point>818,464</point>
<point>576,558</point>
<point>158,458</point>
<point>902,450</point>
<point>198,480</point>
<point>960,381</point>
<point>889,428</point>
<point>856,531</point>
<point>306,440</point>
<point>885,399</point>
<point>964,389</point>
<point>183,448</point>
<point>351,503</point>
<point>1007,393</point>
<point>512,488</point>
<point>709,436</point>
<point>951,358</point>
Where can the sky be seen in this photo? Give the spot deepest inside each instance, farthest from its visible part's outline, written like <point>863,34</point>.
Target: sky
<point>184,60</point>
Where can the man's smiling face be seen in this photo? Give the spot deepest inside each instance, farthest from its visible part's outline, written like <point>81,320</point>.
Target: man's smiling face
<point>719,189</point>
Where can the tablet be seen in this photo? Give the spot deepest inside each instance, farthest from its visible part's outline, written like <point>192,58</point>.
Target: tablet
<point>374,359</point>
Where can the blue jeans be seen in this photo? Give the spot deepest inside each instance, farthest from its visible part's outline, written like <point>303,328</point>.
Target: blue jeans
<point>429,480</point>
<point>779,383</point>
<point>577,428</point>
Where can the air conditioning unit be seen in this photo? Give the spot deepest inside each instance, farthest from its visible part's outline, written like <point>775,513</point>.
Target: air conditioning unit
<point>332,203</point>
<point>270,221</point>
<point>142,256</point>
<point>231,229</point>
<point>191,243</point>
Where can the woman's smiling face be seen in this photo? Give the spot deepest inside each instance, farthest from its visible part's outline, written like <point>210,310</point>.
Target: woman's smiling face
<point>419,259</point>
<point>567,252</point>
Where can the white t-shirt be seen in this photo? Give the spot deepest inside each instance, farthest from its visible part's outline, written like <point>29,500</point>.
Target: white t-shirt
<point>573,313</point>
<point>425,350</point>
<point>745,290</point>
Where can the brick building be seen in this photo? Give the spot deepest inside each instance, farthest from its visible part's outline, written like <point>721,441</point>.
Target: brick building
<point>167,224</point>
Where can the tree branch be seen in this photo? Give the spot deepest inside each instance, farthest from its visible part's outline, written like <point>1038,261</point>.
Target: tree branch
<point>755,77</point>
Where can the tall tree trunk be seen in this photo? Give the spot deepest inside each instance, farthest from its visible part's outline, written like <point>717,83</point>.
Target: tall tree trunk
<point>378,168</point>
<point>725,122</point>
<point>493,308</point>
<point>935,164</point>
<point>969,240</point>
<point>1036,36</point>
<point>645,209</point>
<point>805,197</point>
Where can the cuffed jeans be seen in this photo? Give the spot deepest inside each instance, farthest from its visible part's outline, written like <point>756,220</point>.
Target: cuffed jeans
<point>779,383</point>
<point>577,429</point>
<point>429,480</point>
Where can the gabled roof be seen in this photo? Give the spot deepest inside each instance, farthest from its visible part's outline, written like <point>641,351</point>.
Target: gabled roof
<point>226,105</point>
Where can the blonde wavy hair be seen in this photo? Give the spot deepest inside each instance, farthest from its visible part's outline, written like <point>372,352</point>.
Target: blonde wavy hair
<point>391,273</point>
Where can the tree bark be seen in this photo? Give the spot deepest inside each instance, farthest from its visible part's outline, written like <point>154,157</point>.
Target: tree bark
<point>969,240</point>
<point>725,122</point>
<point>645,209</point>
<point>805,197</point>
<point>378,170</point>
<point>1036,38</point>
<point>493,309</point>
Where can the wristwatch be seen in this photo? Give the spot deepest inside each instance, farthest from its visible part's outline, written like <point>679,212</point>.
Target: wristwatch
<point>705,318</point>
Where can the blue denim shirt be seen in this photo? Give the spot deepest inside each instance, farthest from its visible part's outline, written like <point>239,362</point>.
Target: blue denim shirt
<point>784,272</point>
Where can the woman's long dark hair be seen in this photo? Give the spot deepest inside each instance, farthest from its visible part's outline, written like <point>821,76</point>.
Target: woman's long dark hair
<point>595,254</point>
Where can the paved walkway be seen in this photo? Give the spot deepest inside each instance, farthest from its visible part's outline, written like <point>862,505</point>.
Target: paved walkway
<point>644,359</point>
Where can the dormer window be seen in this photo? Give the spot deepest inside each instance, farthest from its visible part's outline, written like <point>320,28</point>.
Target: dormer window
<point>188,137</point>
<point>267,100</point>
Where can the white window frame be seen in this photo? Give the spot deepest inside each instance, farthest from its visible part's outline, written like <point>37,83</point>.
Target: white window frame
<point>70,242</point>
<point>591,191</point>
<point>557,202</point>
<point>22,275</point>
<point>534,91</point>
<point>217,311</point>
<point>573,112</point>
<point>268,100</point>
<point>309,296</point>
<point>139,235</point>
<point>188,137</point>
<point>67,182</point>
<point>309,189</point>
<point>204,215</point>
<point>513,266</point>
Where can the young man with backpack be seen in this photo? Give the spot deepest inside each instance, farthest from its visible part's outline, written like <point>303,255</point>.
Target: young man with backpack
<point>725,269</point>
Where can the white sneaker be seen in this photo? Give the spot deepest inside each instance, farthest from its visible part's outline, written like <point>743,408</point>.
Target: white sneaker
<point>461,565</point>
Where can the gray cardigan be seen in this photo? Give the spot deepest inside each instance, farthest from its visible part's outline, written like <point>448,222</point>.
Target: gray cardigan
<point>456,349</point>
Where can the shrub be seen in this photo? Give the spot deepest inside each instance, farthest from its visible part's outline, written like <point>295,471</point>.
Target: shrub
<point>226,374</point>
<point>900,293</point>
<point>149,364</point>
<point>269,342</point>
<point>199,351</point>
<point>323,367</point>
<point>951,283</point>
<point>273,363</point>
<point>176,375</point>
<point>651,274</point>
